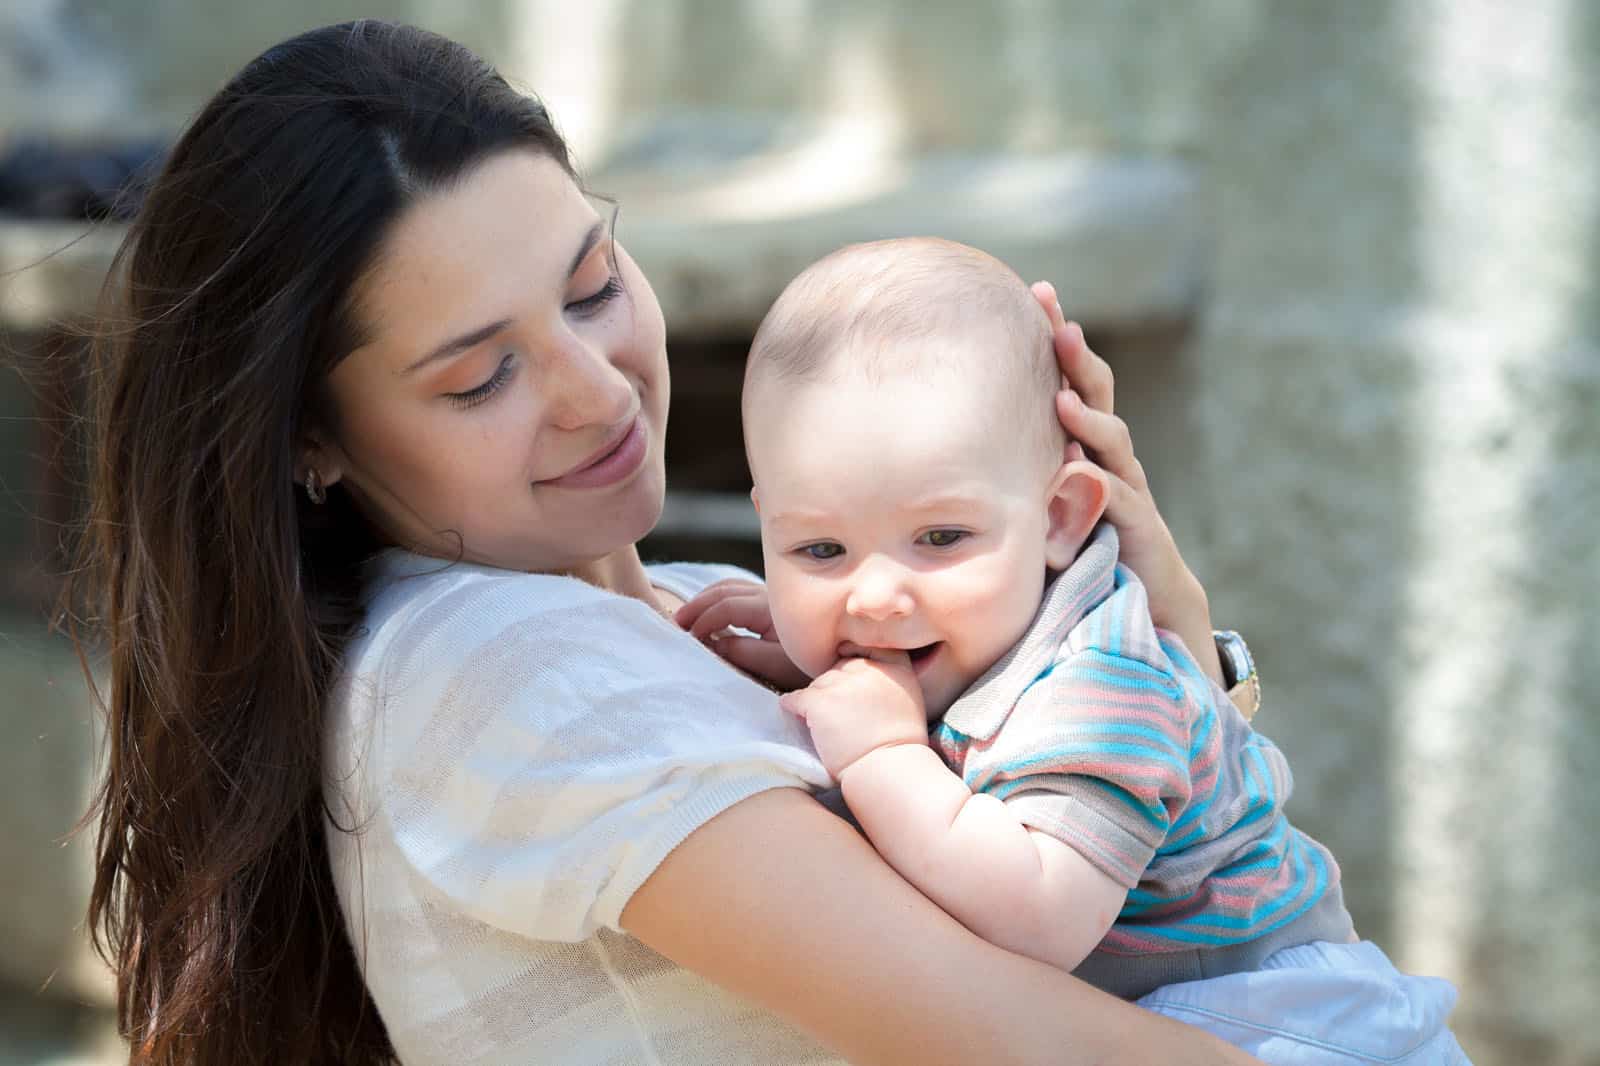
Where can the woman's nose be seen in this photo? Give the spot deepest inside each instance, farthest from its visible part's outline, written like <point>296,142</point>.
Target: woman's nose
<point>584,388</point>
<point>879,593</point>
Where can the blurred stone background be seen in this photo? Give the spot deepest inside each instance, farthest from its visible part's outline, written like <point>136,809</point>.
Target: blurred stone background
<point>1344,256</point>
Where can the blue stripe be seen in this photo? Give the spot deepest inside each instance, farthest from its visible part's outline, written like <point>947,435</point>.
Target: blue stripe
<point>1169,690</point>
<point>1172,847</point>
<point>1061,753</point>
<point>1101,656</point>
<point>1121,729</point>
<point>1153,816</point>
<point>1200,732</point>
<point>1318,887</point>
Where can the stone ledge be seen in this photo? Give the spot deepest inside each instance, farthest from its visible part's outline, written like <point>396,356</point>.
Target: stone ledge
<point>52,271</point>
<point>1120,238</point>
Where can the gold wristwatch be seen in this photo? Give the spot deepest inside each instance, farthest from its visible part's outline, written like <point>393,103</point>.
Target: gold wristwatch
<point>1239,674</point>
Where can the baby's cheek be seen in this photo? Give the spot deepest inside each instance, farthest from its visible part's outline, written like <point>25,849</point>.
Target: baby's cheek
<point>803,639</point>
<point>993,618</point>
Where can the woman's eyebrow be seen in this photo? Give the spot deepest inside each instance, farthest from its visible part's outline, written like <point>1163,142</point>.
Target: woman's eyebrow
<point>459,344</point>
<point>590,239</point>
<point>483,333</point>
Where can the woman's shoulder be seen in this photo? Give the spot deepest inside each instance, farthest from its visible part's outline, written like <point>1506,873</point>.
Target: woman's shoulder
<point>430,624</point>
<point>510,732</point>
<point>442,611</point>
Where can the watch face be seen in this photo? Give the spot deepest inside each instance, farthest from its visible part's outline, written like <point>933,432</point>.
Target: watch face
<point>1236,663</point>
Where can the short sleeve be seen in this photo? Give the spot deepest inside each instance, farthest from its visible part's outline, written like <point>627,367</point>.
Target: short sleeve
<point>543,745</point>
<point>1096,754</point>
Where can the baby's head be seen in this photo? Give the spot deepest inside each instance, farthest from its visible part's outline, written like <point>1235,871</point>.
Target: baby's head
<point>899,417</point>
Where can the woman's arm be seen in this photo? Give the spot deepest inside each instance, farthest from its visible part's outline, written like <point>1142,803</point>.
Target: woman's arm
<point>783,904</point>
<point>1015,887</point>
<point>1012,885</point>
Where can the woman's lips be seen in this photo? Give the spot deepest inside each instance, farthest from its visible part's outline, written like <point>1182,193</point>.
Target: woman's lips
<point>612,465</point>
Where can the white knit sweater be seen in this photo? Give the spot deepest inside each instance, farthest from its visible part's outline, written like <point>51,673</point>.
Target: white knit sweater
<point>517,753</point>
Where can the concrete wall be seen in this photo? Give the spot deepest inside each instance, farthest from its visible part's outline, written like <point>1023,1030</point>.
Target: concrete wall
<point>1378,436</point>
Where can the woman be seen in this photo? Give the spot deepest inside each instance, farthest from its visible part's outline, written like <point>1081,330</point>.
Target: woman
<point>379,427</point>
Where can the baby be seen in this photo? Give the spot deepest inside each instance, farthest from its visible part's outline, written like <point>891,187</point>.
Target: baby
<point>1089,797</point>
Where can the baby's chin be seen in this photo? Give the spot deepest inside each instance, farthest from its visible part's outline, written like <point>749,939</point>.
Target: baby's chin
<point>939,697</point>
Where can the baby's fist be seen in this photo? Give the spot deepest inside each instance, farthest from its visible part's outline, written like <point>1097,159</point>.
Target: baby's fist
<point>860,705</point>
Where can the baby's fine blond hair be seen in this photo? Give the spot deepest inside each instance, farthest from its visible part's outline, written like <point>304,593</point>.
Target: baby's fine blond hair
<point>915,306</point>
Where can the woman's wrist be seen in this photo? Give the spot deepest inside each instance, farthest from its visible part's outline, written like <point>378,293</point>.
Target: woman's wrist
<point>1190,619</point>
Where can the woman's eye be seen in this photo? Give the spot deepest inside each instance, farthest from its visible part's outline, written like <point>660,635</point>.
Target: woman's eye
<point>591,305</point>
<point>943,538</point>
<point>823,550</point>
<point>473,397</point>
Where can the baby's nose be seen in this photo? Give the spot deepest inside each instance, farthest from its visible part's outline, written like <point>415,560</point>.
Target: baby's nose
<point>879,594</point>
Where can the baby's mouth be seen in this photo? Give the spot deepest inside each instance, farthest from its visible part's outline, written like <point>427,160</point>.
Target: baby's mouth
<point>922,657</point>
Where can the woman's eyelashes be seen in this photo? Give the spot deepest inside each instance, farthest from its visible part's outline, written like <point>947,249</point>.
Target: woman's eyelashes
<point>591,305</point>
<point>587,307</point>
<point>474,396</point>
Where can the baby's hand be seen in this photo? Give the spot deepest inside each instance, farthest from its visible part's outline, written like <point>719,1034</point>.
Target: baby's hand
<point>861,705</point>
<point>742,604</point>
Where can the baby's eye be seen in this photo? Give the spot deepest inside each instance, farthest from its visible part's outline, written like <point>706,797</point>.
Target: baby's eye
<point>943,538</point>
<point>823,550</point>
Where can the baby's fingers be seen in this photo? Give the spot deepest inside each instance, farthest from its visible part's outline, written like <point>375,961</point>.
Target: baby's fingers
<point>795,703</point>
<point>886,656</point>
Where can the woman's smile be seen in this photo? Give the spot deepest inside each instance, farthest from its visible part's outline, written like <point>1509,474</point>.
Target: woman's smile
<point>619,458</point>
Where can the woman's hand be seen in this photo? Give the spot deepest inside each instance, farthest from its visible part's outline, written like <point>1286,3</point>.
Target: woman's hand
<point>737,604</point>
<point>1084,405</point>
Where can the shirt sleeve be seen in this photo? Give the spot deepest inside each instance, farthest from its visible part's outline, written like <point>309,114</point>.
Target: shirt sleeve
<point>1096,754</point>
<point>544,745</point>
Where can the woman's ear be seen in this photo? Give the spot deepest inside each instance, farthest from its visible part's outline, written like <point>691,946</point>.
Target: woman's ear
<point>1078,496</point>
<point>320,455</point>
<point>755,500</point>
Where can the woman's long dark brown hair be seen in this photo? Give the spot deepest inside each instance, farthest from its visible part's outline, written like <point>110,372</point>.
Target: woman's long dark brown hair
<point>221,598</point>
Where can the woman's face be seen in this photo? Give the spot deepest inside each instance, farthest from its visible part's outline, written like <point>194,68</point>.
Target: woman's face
<point>514,387</point>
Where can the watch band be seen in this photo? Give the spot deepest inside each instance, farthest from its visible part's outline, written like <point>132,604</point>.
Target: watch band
<point>1238,672</point>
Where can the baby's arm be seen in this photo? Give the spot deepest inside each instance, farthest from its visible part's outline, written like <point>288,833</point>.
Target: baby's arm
<point>1015,887</point>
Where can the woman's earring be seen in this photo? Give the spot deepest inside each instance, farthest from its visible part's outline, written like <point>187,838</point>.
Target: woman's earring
<point>314,490</point>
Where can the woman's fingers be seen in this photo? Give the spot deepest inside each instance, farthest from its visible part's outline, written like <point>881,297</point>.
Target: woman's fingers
<point>1045,293</point>
<point>1087,374</point>
<point>762,658</point>
<point>744,610</point>
<point>1103,435</point>
<point>709,597</point>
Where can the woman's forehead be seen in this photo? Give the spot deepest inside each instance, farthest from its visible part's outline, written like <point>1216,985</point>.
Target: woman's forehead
<point>474,252</point>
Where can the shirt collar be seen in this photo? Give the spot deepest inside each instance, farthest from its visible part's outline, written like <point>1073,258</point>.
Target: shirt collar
<point>981,710</point>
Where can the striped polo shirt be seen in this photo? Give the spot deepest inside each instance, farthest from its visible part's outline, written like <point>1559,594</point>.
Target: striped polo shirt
<point>1102,731</point>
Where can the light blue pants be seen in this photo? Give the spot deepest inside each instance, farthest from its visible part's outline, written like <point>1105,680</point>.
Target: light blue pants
<point>1322,1005</point>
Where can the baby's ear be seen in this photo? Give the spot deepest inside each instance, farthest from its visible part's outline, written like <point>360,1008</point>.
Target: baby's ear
<point>755,499</point>
<point>1078,496</point>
